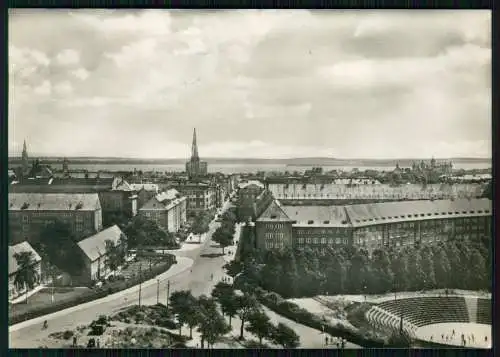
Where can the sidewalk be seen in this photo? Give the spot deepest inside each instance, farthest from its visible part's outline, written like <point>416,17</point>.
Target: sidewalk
<point>182,265</point>
<point>22,297</point>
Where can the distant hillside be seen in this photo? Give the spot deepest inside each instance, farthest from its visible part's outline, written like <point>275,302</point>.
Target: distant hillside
<point>308,161</point>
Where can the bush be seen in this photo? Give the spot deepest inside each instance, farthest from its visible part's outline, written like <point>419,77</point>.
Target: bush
<point>67,334</point>
<point>254,344</point>
<point>166,323</point>
<point>93,294</point>
<point>295,313</point>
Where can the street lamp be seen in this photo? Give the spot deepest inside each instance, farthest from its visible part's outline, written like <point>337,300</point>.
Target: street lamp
<point>157,291</point>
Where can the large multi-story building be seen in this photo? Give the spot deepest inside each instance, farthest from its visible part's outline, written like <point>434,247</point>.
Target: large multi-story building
<point>29,213</point>
<point>441,167</point>
<point>201,196</point>
<point>145,192</point>
<point>195,167</point>
<point>168,209</point>
<point>115,194</point>
<point>373,226</point>
<point>342,193</point>
<point>253,198</point>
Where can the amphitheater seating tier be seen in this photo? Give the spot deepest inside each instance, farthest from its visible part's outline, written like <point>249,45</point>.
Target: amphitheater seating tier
<point>423,311</point>
<point>484,311</point>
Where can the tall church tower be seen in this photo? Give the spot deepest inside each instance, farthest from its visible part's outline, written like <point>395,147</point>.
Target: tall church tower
<point>65,166</point>
<point>194,148</point>
<point>24,159</point>
<point>195,167</point>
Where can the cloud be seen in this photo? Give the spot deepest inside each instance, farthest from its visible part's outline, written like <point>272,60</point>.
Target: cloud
<point>342,83</point>
<point>68,57</point>
<point>81,73</point>
<point>44,89</point>
<point>109,22</point>
<point>63,88</point>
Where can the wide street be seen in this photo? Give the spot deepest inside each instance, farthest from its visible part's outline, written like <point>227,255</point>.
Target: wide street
<point>192,272</point>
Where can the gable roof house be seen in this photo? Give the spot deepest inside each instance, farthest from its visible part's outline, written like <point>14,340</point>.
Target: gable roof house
<point>13,266</point>
<point>94,252</point>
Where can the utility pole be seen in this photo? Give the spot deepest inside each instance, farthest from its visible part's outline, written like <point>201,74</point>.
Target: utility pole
<point>140,283</point>
<point>157,291</point>
<point>168,291</point>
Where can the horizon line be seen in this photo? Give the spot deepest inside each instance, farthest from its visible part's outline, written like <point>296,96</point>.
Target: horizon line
<point>254,158</point>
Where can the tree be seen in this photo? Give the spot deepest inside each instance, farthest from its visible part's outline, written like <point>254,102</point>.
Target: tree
<point>115,255</point>
<point>200,224</point>
<point>355,274</point>
<point>223,237</point>
<point>233,268</point>
<point>382,270</point>
<point>221,289</point>
<point>212,326</point>
<point>428,271</point>
<point>208,316</point>
<point>58,242</point>
<point>290,274</point>
<point>477,274</point>
<point>336,275</point>
<point>285,336</point>
<point>229,305</point>
<point>143,232</point>
<point>247,304</point>
<point>26,275</point>
<point>442,268</point>
<point>260,325</point>
<point>401,272</point>
<point>180,304</point>
<point>193,316</point>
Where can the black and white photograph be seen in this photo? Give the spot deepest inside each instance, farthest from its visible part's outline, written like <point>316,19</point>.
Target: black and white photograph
<point>249,179</point>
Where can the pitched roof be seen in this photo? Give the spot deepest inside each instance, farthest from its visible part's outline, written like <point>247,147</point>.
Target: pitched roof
<point>18,248</point>
<point>163,201</point>
<point>388,212</point>
<point>274,213</point>
<point>119,184</point>
<point>333,216</point>
<point>54,201</point>
<point>144,186</point>
<point>377,191</point>
<point>95,246</point>
<point>250,184</point>
<point>168,195</point>
<point>74,185</point>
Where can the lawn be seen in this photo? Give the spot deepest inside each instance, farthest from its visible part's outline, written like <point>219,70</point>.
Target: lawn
<point>44,298</point>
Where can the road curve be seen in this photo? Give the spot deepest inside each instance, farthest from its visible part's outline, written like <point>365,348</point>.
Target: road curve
<point>193,272</point>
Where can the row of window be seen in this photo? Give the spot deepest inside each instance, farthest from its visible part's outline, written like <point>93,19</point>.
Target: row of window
<point>269,236</point>
<point>275,226</point>
<point>304,232</point>
<point>322,240</point>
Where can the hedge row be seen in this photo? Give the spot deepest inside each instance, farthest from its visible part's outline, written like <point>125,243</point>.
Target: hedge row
<point>293,312</point>
<point>93,294</point>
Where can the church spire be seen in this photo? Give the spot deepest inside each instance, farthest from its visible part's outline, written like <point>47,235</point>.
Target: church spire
<point>194,148</point>
<point>24,157</point>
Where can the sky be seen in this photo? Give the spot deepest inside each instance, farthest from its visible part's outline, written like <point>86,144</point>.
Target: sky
<point>264,84</point>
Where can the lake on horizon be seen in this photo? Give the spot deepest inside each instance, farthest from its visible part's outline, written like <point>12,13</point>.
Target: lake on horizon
<point>244,168</point>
